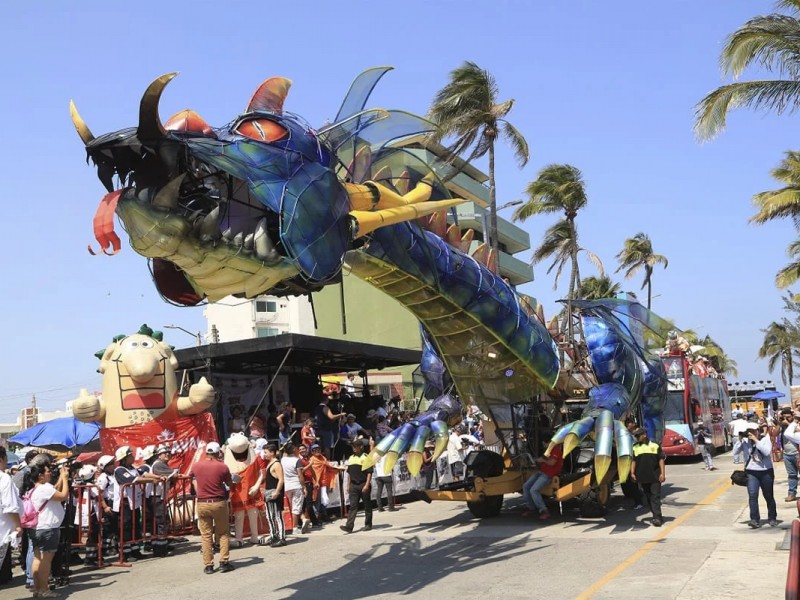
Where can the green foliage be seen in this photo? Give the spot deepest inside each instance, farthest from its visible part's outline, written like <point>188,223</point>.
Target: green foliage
<point>637,253</point>
<point>781,340</point>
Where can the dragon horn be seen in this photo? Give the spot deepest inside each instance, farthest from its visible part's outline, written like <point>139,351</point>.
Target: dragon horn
<point>270,95</point>
<point>369,221</point>
<point>150,127</point>
<point>80,124</point>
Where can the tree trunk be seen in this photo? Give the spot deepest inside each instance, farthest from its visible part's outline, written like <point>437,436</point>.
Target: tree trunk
<point>571,292</point>
<point>493,244</point>
<point>789,367</point>
<point>649,286</point>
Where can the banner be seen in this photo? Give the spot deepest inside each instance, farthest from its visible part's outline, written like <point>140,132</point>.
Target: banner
<point>185,436</point>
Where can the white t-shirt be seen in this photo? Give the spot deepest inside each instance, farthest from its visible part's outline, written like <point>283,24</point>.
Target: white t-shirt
<point>455,451</point>
<point>380,470</point>
<point>290,479</point>
<point>10,502</point>
<point>51,512</point>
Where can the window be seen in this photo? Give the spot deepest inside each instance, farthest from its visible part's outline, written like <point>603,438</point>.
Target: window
<point>267,331</point>
<point>674,408</point>
<point>266,306</point>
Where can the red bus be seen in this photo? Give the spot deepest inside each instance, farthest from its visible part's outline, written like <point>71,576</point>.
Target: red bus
<point>692,398</point>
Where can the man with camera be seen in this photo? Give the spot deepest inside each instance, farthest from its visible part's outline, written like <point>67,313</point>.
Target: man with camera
<point>756,446</point>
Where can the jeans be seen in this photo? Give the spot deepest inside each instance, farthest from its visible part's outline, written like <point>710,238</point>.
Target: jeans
<point>531,491</point>
<point>763,480</point>
<point>790,462</point>
<point>29,562</point>
<point>652,496</point>
<point>707,457</point>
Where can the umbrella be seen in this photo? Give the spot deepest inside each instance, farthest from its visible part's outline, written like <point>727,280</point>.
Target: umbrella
<point>58,434</point>
<point>12,458</point>
<point>768,395</point>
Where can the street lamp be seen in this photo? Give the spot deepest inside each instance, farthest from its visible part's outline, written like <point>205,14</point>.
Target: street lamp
<point>196,336</point>
<point>510,204</point>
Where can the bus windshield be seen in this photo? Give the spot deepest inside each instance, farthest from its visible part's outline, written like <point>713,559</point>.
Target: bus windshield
<point>674,408</point>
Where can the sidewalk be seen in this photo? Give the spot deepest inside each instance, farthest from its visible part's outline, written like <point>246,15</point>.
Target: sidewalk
<point>745,562</point>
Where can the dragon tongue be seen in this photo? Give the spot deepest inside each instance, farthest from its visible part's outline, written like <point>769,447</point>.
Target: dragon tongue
<point>103,224</point>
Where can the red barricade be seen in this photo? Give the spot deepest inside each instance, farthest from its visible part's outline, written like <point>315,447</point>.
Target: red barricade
<point>167,513</point>
<point>88,521</point>
<point>793,575</point>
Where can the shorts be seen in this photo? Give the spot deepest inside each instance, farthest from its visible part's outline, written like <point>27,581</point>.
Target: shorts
<point>295,498</point>
<point>45,540</point>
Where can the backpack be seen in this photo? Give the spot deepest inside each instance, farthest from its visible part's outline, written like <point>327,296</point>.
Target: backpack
<point>30,515</point>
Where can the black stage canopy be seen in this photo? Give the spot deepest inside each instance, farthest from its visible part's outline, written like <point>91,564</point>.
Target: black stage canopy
<point>302,354</point>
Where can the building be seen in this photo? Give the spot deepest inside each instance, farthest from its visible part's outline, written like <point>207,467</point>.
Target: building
<point>357,312</point>
<point>741,394</point>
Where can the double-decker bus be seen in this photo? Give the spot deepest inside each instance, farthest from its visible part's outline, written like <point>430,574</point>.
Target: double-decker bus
<point>692,398</point>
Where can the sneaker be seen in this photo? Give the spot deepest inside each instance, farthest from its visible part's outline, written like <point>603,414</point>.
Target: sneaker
<point>368,528</point>
<point>774,523</point>
<point>657,522</point>
<point>346,529</point>
<point>790,498</point>
<point>392,509</point>
<point>638,506</point>
<point>226,567</point>
<point>753,524</point>
<point>306,527</point>
<point>544,516</point>
<point>209,570</point>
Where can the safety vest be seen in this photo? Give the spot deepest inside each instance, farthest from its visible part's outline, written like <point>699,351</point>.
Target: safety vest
<point>648,448</point>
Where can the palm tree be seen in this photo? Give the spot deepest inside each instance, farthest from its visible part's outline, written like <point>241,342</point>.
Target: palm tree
<point>595,288</point>
<point>791,272</point>
<point>715,353</point>
<point>558,188</point>
<point>637,253</point>
<point>783,202</point>
<point>467,108</point>
<point>780,344</point>
<point>771,42</point>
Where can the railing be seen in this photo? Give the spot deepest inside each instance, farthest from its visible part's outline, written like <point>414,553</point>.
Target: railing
<point>793,575</point>
<point>89,530</point>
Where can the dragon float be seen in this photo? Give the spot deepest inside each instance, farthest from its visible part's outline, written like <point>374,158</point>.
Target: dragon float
<point>268,204</point>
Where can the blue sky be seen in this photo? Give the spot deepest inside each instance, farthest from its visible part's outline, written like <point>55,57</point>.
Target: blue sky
<point>607,87</point>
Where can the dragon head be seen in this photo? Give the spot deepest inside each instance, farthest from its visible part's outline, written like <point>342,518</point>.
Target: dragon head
<point>252,206</point>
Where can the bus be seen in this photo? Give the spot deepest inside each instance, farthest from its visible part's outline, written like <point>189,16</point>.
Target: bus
<point>692,398</point>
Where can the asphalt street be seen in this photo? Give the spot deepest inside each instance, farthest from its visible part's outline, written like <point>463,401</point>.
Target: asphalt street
<point>703,551</point>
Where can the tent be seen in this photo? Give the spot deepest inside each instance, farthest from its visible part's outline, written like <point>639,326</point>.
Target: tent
<point>59,434</point>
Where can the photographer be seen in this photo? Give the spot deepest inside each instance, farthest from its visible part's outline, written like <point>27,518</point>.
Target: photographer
<point>756,446</point>
<point>791,441</point>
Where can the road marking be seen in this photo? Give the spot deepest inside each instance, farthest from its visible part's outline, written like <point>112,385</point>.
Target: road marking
<point>613,574</point>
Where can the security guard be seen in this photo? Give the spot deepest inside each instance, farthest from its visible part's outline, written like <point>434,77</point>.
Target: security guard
<point>649,471</point>
<point>360,487</point>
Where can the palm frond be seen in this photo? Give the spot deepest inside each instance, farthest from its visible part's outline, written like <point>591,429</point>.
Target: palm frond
<point>712,111</point>
<point>770,40</point>
<point>519,144</point>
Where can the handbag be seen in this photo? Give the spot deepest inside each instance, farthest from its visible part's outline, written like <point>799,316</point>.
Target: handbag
<point>740,477</point>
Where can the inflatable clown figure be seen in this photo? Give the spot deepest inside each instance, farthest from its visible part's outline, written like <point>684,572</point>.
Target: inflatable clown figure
<point>139,384</point>
<point>245,494</point>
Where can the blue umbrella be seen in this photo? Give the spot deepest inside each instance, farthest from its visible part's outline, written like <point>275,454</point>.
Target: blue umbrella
<point>67,433</point>
<point>768,395</point>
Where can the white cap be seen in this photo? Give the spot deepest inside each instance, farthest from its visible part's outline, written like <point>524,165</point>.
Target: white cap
<point>212,448</point>
<point>261,443</point>
<point>148,452</point>
<point>103,461</point>
<point>122,452</point>
<point>86,473</point>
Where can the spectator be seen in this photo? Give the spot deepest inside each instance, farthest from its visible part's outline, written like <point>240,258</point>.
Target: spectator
<point>455,454</point>
<point>351,430</point>
<point>210,478</point>
<point>128,504</point>
<point>309,516</point>
<point>326,421</point>
<point>285,419</point>
<point>325,475</point>
<point>257,424</point>
<point>549,467</point>
<point>10,509</point>
<point>790,451</point>
<point>88,504</point>
<point>384,480</point>
<point>360,487</point>
<point>307,434</point>
<point>429,465</point>
<point>705,442</point>
<point>349,386</point>
<point>273,495</point>
<point>294,487</point>
<point>46,499</point>
<point>237,423</point>
<point>161,468</point>
<point>630,488</point>
<point>649,471</point>
<point>757,449</point>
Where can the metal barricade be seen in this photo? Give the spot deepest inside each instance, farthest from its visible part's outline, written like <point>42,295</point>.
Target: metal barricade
<point>87,500</point>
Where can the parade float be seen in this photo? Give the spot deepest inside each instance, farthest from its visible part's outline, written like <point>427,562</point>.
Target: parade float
<point>268,204</point>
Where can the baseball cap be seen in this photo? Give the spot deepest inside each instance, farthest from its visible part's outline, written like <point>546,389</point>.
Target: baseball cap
<point>351,416</point>
<point>86,473</point>
<point>261,443</point>
<point>103,461</point>
<point>315,447</point>
<point>639,431</point>
<point>212,448</point>
<point>371,414</point>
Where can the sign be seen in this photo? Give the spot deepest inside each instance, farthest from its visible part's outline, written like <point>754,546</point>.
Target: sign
<point>185,436</point>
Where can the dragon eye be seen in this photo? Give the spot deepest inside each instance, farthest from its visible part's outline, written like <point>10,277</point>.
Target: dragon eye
<point>262,130</point>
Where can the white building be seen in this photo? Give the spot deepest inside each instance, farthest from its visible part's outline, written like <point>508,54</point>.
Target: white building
<point>233,319</point>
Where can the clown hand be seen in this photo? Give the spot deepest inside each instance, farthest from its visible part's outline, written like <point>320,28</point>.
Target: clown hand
<point>201,396</point>
<point>88,408</point>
